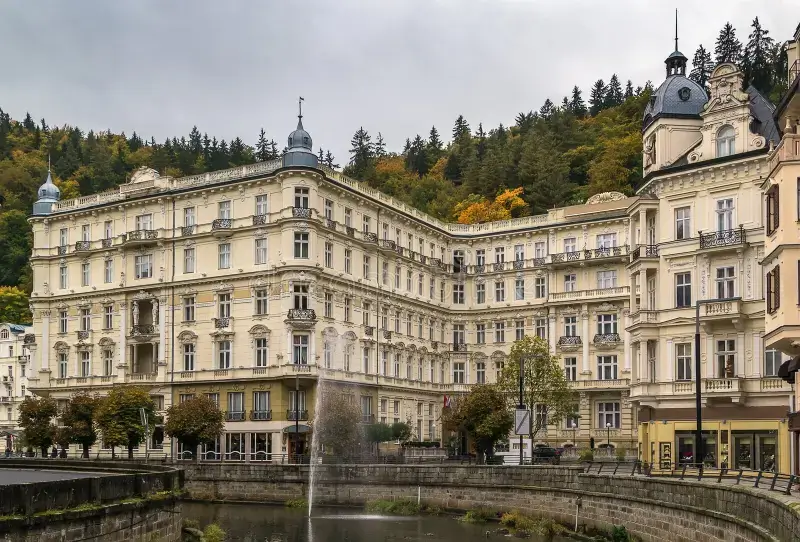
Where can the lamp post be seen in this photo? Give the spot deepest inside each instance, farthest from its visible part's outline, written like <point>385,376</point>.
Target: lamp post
<point>521,402</point>
<point>698,397</point>
<point>296,414</point>
<point>608,438</point>
<point>574,427</point>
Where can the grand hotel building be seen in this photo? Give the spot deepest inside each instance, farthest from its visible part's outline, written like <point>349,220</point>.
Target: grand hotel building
<point>250,283</point>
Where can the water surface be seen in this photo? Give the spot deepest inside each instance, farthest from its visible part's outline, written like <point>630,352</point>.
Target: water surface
<point>265,523</point>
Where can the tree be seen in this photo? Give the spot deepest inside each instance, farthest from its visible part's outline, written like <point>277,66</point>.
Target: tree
<point>35,417</point>
<point>263,147</point>
<point>330,161</point>
<point>78,419</point>
<point>613,95</point>
<point>629,89</point>
<point>461,128</point>
<point>546,110</point>
<point>597,97</point>
<point>14,305</point>
<point>545,391</point>
<point>727,48</point>
<point>485,415</point>
<point>576,103</point>
<point>434,145</point>
<point>477,210</point>
<point>375,433</point>
<point>380,146</point>
<point>756,62</point>
<point>194,421</point>
<point>401,431</point>
<point>338,426</point>
<point>702,66</point>
<point>361,153</point>
<point>119,416</point>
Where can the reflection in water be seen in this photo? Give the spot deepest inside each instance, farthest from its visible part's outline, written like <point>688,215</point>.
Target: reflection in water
<point>264,523</point>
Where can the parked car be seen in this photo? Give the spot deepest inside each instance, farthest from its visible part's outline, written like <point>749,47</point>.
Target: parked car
<point>546,454</point>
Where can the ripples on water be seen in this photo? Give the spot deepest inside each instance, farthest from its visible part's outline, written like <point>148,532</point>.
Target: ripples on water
<point>265,523</point>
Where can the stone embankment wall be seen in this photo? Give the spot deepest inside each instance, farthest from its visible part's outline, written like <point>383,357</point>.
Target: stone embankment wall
<point>654,509</point>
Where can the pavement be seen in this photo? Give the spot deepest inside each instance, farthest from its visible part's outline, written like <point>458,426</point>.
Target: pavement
<point>26,476</point>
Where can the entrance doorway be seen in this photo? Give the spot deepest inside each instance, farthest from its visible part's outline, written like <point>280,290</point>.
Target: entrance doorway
<point>755,450</point>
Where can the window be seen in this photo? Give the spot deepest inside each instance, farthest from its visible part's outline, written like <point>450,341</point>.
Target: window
<point>188,216</point>
<point>300,296</point>
<point>606,279</point>
<point>108,271</point>
<point>606,324</point>
<point>540,328</point>
<point>724,214</point>
<point>224,255</point>
<point>570,326</point>
<point>480,290</point>
<point>539,249</point>
<point>85,365</point>
<point>188,309</point>
<point>499,291</point>
<point>62,277</point>
<point>397,321</point>
<point>683,360</point>
<point>86,320</point>
<point>480,257</point>
<point>300,349</point>
<point>458,261</point>
<point>774,289</point>
<point>385,273</point>
<point>607,240</point>
<point>499,254</point>
<point>300,245</point>
<point>408,324</point>
<point>480,333</point>
<point>683,290</point>
<point>108,317</point>
<point>86,277</point>
<point>63,237</point>
<point>772,360</point>
<point>683,223</point>
<point>144,222</point>
<point>143,266</point>
<point>348,356</point>
<point>773,209</point>
<point>539,287</point>
<point>365,309</point>
<point>62,321</point>
<point>108,229</point>
<point>432,288</point>
<point>108,362</point>
<point>569,244</point>
<point>366,358</point>
<point>519,289</point>
<point>519,330</point>
<point>571,369</point>
<point>608,415</point>
<point>726,141</point>
<point>384,318</point>
<point>458,294</point>
<point>725,282</point>
<point>366,267</point>
<point>262,205</point>
<point>459,372</point>
<point>224,354</point>
<point>540,413</point>
<point>519,253</point>
<point>261,297</point>
<point>261,251</point>
<point>188,260</point>
<point>365,223</point>
<point>420,280</point>
<point>301,198</point>
<point>607,367</point>
<point>328,209</point>
<point>224,210</point>
<point>261,401</point>
<point>188,357</point>
<point>235,402</point>
<point>62,365</point>
<point>224,305</point>
<point>348,310</point>
<point>499,332</point>
<point>459,335</point>
<point>348,217</point>
<point>348,256</point>
<point>328,304</point>
<point>726,358</point>
<point>570,282</point>
<point>261,352</point>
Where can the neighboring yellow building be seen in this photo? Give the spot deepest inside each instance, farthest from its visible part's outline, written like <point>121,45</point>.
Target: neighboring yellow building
<point>14,357</point>
<point>700,231</point>
<point>781,186</point>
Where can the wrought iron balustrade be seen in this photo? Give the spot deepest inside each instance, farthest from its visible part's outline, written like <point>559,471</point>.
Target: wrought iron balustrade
<point>387,334</point>
<point>388,244</point>
<point>498,266</point>
<point>143,329</point>
<point>330,223</point>
<point>82,334</point>
<point>187,230</point>
<point>539,262</point>
<point>569,340</point>
<point>107,242</point>
<point>301,212</point>
<point>141,235</point>
<point>83,245</point>
<point>260,415</point>
<point>234,416</point>
<point>221,224</point>
<point>62,249</point>
<point>459,347</point>
<point>606,338</point>
<point>222,323</point>
<point>722,238</point>
<point>260,220</point>
<point>645,251</point>
<point>294,415</point>
<point>351,231</point>
<point>369,331</point>
<point>302,314</point>
<point>519,264</point>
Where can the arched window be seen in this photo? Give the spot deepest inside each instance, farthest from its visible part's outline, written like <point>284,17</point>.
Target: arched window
<point>4,334</point>
<point>726,141</point>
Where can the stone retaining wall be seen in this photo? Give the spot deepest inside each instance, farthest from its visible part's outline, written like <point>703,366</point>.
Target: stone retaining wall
<point>654,509</point>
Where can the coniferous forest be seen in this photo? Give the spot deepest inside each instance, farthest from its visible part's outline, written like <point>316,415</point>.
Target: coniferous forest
<point>558,154</point>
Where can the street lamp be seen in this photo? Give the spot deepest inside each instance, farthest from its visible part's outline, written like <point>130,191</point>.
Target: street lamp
<point>608,439</point>
<point>521,405</point>
<point>574,427</point>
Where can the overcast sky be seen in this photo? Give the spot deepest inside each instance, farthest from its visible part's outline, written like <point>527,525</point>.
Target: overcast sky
<point>232,67</point>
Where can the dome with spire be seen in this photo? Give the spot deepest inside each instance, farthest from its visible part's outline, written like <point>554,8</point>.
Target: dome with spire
<point>300,148</point>
<point>48,195</point>
<point>300,138</point>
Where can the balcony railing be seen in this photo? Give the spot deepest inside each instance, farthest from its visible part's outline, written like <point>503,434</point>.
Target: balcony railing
<point>106,243</point>
<point>369,331</point>
<point>29,338</point>
<point>498,266</point>
<point>459,347</point>
<point>569,340</point>
<point>260,220</point>
<point>387,334</point>
<point>722,238</point>
<point>606,339</point>
<point>83,245</point>
<point>351,231</point>
<point>260,415</point>
<point>222,323</point>
<point>644,251</point>
<point>388,244</point>
<point>187,230</point>
<point>141,235</point>
<point>294,415</point>
<point>370,237</point>
<point>234,416</point>
<point>302,314</point>
<point>83,335</point>
<point>480,269</point>
<point>143,329</point>
<point>62,249</point>
<point>565,257</point>
<point>301,212</point>
<point>519,264</point>
<point>221,224</point>
<point>721,385</point>
<point>539,262</point>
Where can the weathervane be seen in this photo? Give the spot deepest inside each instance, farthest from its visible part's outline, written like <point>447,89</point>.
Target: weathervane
<point>300,107</point>
<point>676,29</point>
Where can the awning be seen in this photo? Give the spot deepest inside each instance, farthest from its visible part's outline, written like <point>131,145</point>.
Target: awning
<point>788,369</point>
<point>299,429</point>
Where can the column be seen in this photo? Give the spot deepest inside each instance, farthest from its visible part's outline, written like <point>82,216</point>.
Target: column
<point>710,361</point>
<point>162,331</point>
<point>551,332</point>
<point>635,371</point>
<point>738,369</point>
<point>635,278</point>
<point>585,340</point>
<point>626,318</point>
<point>642,239</point>
<point>289,345</point>
<point>670,360</point>
<point>644,367</point>
<point>312,346</point>
<point>758,349</point>
<point>44,354</point>
<point>135,358</point>
<point>123,326</point>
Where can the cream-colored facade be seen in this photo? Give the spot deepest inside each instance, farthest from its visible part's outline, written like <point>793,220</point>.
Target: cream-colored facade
<point>14,358</point>
<point>250,282</point>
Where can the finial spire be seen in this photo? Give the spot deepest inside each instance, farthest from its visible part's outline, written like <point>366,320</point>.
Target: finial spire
<point>300,107</point>
<point>676,29</point>
<point>48,162</point>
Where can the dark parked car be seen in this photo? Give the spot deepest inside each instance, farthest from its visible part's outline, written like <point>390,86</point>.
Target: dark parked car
<point>546,454</point>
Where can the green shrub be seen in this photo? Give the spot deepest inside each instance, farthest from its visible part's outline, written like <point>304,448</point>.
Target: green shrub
<point>586,455</point>
<point>297,503</point>
<point>399,507</point>
<point>191,524</point>
<point>520,524</point>
<point>213,533</point>
<point>620,454</point>
<point>620,534</point>
<point>479,515</point>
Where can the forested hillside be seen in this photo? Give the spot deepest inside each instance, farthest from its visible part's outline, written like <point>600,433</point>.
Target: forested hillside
<point>558,154</point>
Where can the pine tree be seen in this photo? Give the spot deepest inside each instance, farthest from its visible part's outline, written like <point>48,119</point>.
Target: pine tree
<point>262,147</point>
<point>273,150</point>
<point>330,161</point>
<point>380,146</point>
<point>434,143</point>
<point>613,95</point>
<point>321,155</point>
<point>480,135</point>
<point>28,123</point>
<point>461,128</point>
<point>546,111</point>
<point>195,142</point>
<point>576,104</point>
<point>628,89</point>
<point>524,121</point>
<point>238,152</point>
<point>727,48</point>
<point>597,97</point>
<point>756,62</point>
<point>361,153</point>
<point>565,104</point>
<point>417,158</point>
<point>702,66</point>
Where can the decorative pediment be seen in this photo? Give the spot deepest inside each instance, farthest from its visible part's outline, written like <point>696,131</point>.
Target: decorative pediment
<point>330,333</point>
<point>141,294</point>
<point>350,336</point>
<point>223,286</point>
<point>61,347</point>
<point>259,332</point>
<point>497,355</point>
<point>187,337</point>
<point>106,343</point>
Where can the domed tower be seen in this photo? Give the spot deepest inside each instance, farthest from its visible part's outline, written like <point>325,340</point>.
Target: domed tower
<point>672,122</point>
<point>49,194</point>
<point>300,151</point>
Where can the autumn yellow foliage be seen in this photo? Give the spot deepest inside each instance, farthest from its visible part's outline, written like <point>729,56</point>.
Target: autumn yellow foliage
<point>477,210</point>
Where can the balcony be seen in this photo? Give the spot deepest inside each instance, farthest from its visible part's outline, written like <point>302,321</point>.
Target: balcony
<point>82,335</point>
<point>722,239</point>
<point>330,223</point>
<point>221,227</point>
<point>296,415</point>
<point>787,150</point>
<point>369,331</point>
<point>720,385</point>
<point>388,244</point>
<point>82,246</point>
<point>604,252</point>
<point>605,433</point>
<point>644,251</point>
<point>260,220</point>
<point>225,323</point>
<point>498,266</point>
<point>609,384</point>
<point>606,340</point>
<point>143,330</point>
<point>480,269</point>
<point>565,257</point>
<point>569,342</point>
<point>140,237</point>
<point>302,315</point>
<point>62,250</point>
<point>301,212</point>
<point>106,243</point>
<point>722,310</point>
<point>590,294</point>
<point>29,338</point>
<point>234,416</point>
<point>459,347</point>
<point>644,317</point>
<point>260,415</point>
<point>519,264</point>
<point>370,237</point>
<point>300,367</point>
<point>387,334</point>
<point>187,230</point>
<point>351,232</point>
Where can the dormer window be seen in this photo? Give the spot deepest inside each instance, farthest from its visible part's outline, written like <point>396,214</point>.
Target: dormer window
<point>726,141</point>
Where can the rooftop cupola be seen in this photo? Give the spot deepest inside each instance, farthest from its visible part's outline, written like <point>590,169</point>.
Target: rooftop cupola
<point>49,194</point>
<point>299,152</point>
